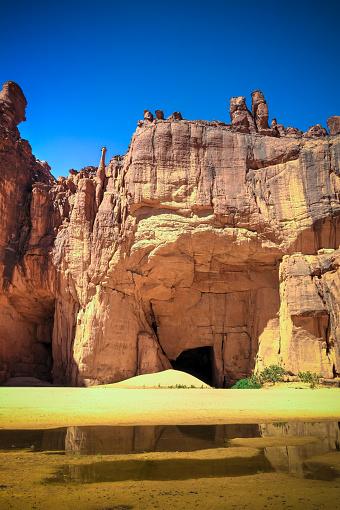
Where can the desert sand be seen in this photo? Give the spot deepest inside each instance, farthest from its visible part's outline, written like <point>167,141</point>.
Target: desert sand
<point>116,405</point>
<point>165,379</point>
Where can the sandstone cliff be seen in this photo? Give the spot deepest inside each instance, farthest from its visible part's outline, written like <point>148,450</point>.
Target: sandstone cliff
<point>204,235</point>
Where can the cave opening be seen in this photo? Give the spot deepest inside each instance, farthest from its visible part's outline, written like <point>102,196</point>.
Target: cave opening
<point>197,362</point>
<point>47,367</point>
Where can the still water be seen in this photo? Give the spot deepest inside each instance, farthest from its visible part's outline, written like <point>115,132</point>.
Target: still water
<point>295,448</point>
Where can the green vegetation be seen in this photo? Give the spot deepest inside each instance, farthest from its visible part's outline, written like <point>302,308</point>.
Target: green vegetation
<point>272,373</point>
<point>250,383</point>
<point>309,377</point>
<point>181,387</point>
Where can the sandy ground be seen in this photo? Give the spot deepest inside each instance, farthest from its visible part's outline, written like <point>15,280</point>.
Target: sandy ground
<point>25,485</point>
<point>115,405</point>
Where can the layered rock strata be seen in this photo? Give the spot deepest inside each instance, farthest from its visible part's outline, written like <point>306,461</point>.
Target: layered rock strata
<point>204,235</point>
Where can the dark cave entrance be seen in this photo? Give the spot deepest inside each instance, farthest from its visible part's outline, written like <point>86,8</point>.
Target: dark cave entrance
<point>197,362</point>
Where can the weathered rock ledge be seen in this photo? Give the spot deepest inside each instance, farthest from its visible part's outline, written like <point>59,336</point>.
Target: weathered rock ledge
<point>208,247</point>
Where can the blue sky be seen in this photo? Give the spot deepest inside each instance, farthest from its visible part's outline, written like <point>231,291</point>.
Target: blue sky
<point>89,69</point>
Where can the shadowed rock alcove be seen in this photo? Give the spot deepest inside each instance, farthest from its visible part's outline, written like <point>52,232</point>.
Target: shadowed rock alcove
<point>28,323</point>
<point>211,304</point>
<point>197,362</point>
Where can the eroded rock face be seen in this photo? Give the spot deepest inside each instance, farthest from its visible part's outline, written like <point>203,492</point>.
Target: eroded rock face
<point>26,233</point>
<point>203,235</point>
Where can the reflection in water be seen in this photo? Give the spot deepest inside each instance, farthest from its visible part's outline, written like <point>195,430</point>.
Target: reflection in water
<point>320,471</point>
<point>291,458</point>
<point>38,440</point>
<point>114,440</point>
<point>162,469</point>
<point>300,460</point>
<point>119,440</point>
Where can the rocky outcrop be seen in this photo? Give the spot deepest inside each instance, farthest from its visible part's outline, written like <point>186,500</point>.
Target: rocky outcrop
<point>12,108</point>
<point>241,118</point>
<point>316,131</point>
<point>204,235</point>
<point>333,124</point>
<point>260,112</point>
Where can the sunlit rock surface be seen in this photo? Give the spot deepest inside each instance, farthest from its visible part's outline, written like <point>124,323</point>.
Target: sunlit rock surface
<point>203,235</point>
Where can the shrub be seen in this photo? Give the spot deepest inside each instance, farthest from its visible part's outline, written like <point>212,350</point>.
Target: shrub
<point>182,387</point>
<point>250,383</point>
<point>309,377</point>
<point>272,373</point>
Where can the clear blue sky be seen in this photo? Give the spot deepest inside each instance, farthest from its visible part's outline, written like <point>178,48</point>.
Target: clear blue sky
<point>89,69</point>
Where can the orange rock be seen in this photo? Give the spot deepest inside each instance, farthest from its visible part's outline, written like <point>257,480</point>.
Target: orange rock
<point>203,236</point>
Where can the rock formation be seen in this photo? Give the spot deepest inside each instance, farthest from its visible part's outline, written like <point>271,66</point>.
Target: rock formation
<point>316,131</point>
<point>148,116</point>
<point>159,114</point>
<point>333,124</point>
<point>260,111</point>
<point>176,116</point>
<point>100,178</point>
<point>12,106</point>
<point>218,242</point>
<point>241,118</point>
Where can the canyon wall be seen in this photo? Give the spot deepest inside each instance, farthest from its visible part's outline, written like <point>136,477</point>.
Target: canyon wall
<point>204,235</point>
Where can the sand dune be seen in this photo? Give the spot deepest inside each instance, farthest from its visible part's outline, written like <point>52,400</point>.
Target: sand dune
<point>164,379</point>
